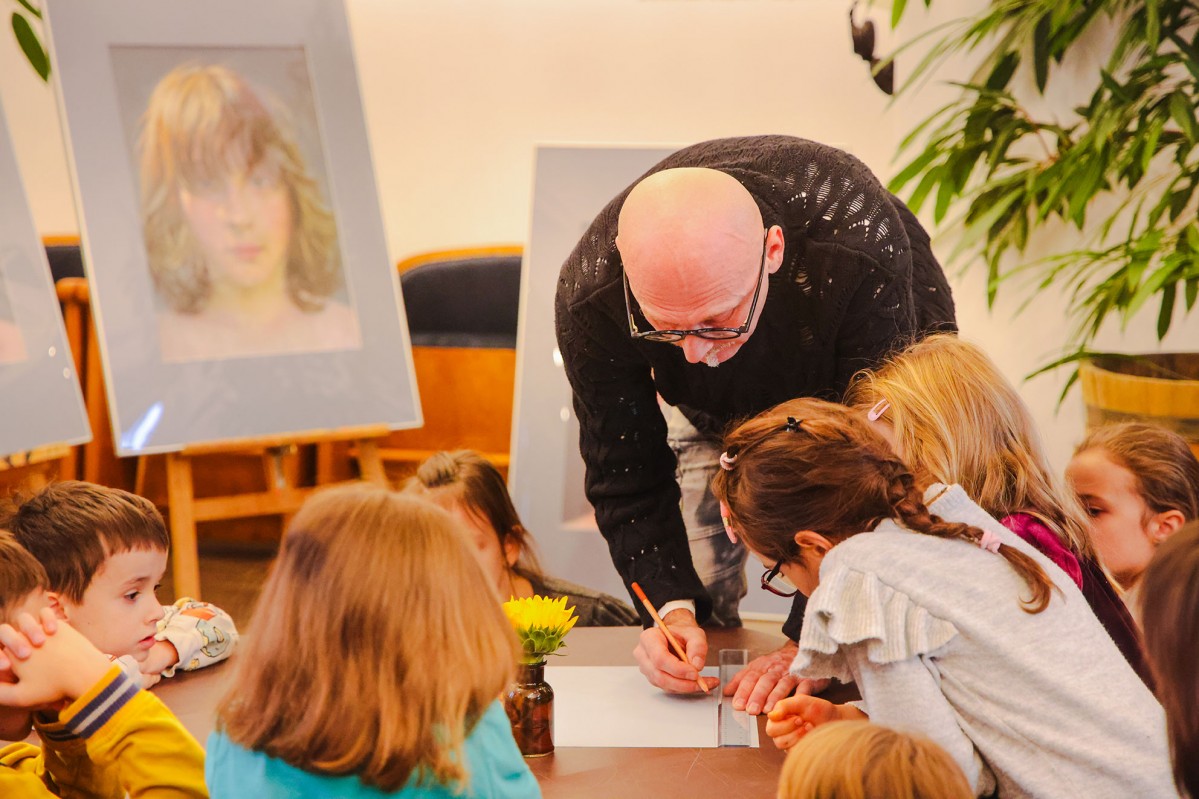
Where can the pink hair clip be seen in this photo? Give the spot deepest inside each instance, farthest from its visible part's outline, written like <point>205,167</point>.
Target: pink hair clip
<point>989,541</point>
<point>727,461</point>
<point>878,410</point>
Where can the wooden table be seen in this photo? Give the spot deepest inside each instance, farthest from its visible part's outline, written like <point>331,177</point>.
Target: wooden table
<point>581,773</point>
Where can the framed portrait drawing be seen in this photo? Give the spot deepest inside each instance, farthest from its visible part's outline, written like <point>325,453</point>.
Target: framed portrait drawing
<point>239,270</point>
<point>42,403</point>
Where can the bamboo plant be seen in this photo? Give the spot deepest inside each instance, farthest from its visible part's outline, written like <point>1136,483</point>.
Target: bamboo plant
<point>1006,171</point>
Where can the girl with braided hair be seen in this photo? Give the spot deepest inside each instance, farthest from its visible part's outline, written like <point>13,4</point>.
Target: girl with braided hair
<point>958,630</point>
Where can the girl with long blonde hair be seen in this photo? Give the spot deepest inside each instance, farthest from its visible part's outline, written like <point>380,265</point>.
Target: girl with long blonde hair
<point>375,662</point>
<point>949,624</point>
<point>952,415</point>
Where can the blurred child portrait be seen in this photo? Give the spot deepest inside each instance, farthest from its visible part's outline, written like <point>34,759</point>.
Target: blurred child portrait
<point>242,245</point>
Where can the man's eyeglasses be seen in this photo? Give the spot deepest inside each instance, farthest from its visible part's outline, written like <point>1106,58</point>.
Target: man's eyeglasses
<point>715,333</point>
<point>769,575</point>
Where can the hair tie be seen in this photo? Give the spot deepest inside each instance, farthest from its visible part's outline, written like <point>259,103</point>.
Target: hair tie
<point>878,410</point>
<point>792,425</point>
<point>727,461</point>
<point>989,541</point>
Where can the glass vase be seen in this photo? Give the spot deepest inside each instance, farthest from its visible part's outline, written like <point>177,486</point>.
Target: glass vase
<point>530,706</point>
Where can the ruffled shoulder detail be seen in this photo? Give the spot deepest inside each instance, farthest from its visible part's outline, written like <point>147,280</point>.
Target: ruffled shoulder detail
<point>854,607</point>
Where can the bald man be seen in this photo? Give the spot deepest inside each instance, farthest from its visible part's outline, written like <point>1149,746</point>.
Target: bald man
<point>736,274</point>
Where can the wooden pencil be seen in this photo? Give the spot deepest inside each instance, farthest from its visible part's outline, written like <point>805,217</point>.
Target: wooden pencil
<point>674,642</point>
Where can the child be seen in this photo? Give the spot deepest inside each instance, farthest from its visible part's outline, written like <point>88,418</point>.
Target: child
<point>860,760</point>
<point>953,417</point>
<point>109,739</point>
<point>1171,606</point>
<point>378,672</point>
<point>1140,483</point>
<point>960,631</point>
<point>105,551</point>
<point>473,491</point>
<point>241,244</point>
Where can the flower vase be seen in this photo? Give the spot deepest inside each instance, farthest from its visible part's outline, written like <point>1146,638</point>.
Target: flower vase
<point>530,706</point>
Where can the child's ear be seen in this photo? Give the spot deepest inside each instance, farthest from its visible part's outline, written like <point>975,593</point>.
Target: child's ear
<point>511,550</point>
<point>56,604</point>
<point>1166,524</point>
<point>811,540</point>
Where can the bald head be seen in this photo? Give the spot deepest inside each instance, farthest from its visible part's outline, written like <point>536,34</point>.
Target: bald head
<point>686,214</point>
<point>691,243</point>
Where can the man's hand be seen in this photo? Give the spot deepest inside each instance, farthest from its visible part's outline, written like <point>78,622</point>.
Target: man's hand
<point>765,680</point>
<point>659,663</point>
<point>50,660</point>
<point>796,716</point>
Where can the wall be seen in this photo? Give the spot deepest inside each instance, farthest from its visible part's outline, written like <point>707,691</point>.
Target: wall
<point>457,93</point>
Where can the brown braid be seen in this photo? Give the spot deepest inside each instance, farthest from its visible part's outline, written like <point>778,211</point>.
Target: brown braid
<point>908,504</point>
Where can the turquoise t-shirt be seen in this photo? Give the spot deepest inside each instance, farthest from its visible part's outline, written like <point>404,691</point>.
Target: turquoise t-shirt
<point>497,771</point>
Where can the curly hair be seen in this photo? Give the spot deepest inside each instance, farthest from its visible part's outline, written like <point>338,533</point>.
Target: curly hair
<point>813,465</point>
<point>202,124</point>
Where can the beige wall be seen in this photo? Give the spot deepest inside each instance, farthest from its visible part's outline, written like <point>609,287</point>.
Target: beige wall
<point>458,93</point>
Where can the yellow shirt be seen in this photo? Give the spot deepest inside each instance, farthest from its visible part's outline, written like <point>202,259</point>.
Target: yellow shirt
<point>112,741</point>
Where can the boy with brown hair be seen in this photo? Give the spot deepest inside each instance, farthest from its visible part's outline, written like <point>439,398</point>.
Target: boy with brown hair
<point>105,551</point>
<point>102,736</point>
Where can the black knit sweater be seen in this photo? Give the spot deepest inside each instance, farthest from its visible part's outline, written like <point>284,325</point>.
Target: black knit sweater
<point>858,281</point>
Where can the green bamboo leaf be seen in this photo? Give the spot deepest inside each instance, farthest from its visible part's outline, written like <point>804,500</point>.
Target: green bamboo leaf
<point>945,193</point>
<point>1182,114</point>
<point>27,39</point>
<point>1040,51</point>
<point>1070,381</point>
<point>1164,273</point>
<point>911,170</point>
<point>1166,314</point>
<point>1003,71</point>
<point>1149,144</point>
<point>897,7</point>
<point>1192,237</point>
<point>931,177</point>
<point>1192,291</point>
<point>1153,25</point>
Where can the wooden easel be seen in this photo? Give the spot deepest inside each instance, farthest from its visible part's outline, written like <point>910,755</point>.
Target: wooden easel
<point>34,469</point>
<point>282,496</point>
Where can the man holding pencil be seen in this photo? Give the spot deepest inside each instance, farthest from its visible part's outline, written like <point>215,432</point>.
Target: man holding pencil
<point>737,274</point>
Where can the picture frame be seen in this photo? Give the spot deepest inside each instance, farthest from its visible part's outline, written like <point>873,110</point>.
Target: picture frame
<point>43,403</point>
<point>230,221</point>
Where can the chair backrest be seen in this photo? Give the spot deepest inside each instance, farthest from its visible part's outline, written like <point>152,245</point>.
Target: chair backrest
<point>463,298</point>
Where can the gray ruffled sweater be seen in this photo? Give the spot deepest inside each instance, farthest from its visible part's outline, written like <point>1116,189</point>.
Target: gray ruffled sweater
<point>931,630</point>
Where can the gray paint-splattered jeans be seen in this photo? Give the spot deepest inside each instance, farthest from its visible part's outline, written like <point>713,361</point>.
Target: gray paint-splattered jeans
<point>719,562</point>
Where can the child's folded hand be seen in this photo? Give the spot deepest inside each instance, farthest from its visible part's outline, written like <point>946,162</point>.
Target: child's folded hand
<point>50,660</point>
<point>794,717</point>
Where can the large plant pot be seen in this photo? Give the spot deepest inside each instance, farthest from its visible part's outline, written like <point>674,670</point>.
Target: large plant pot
<point>1162,388</point>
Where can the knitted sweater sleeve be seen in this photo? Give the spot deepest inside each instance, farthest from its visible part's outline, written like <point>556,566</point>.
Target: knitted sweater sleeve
<point>630,478</point>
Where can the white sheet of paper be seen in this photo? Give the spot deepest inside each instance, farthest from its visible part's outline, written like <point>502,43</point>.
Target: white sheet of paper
<point>614,706</point>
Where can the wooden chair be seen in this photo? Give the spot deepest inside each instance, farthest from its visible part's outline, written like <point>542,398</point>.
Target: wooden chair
<point>462,308</point>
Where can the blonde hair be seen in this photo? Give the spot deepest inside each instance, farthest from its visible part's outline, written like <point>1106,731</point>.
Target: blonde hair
<point>1164,469</point>
<point>202,124</point>
<point>378,612</point>
<point>958,420</point>
<point>860,760</point>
